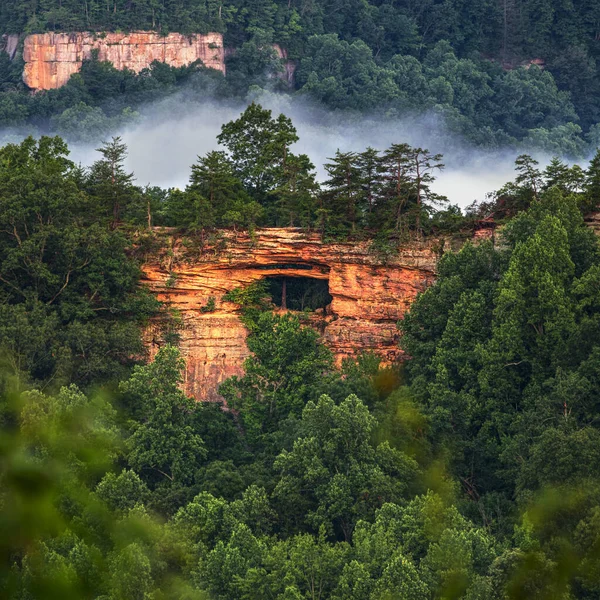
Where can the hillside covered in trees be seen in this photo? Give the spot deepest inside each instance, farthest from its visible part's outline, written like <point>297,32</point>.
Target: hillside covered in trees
<point>498,72</point>
<point>469,471</point>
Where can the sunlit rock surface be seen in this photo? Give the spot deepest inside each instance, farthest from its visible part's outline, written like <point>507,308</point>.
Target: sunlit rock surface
<point>369,294</point>
<point>51,58</point>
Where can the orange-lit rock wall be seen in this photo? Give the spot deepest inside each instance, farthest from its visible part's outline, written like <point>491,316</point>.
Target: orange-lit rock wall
<point>51,58</point>
<point>369,296</point>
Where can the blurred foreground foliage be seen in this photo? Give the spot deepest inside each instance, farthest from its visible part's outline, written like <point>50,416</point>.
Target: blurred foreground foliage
<point>355,504</point>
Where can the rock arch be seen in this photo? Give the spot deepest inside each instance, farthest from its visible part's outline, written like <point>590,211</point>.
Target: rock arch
<point>369,294</point>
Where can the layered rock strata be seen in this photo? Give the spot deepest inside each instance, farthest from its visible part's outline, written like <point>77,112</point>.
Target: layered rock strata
<point>369,295</point>
<point>51,58</point>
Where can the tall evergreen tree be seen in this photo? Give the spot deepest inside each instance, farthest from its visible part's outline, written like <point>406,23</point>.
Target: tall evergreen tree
<point>369,163</point>
<point>592,183</point>
<point>110,184</point>
<point>529,175</point>
<point>395,187</point>
<point>343,195</point>
<point>559,174</point>
<point>423,165</point>
<point>296,203</point>
<point>214,180</point>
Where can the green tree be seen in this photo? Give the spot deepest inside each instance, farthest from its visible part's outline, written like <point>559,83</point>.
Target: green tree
<point>258,146</point>
<point>296,201</point>
<point>344,75</point>
<point>592,183</point>
<point>213,178</point>
<point>568,179</point>
<point>423,165</point>
<point>286,365</point>
<point>369,163</point>
<point>109,183</point>
<point>394,196</point>
<point>333,476</point>
<point>162,438</point>
<point>343,195</point>
<point>189,209</point>
<point>123,491</point>
<point>64,278</point>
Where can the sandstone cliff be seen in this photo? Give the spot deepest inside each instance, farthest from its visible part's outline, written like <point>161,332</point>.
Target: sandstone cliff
<point>289,66</point>
<point>51,58</point>
<point>369,297</point>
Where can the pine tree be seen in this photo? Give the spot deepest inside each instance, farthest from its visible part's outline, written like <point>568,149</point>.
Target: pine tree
<point>296,195</point>
<point>344,191</point>
<point>555,173</point>
<point>423,165</point>
<point>369,163</point>
<point>227,202</point>
<point>568,179</point>
<point>592,183</point>
<point>529,175</point>
<point>393,198</point>
<point>109,181</point>
<point>213,177</point>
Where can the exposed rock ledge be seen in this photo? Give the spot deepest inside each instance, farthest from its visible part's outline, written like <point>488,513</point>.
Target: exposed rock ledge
<point>51,58</point>
<point>369,296</point>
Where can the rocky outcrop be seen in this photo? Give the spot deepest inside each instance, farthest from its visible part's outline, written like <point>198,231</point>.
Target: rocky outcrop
<point>51,58</point>
<point>289,66</point>
<point>592,220</point>
<point>369,295</point>
<point>9,43</point>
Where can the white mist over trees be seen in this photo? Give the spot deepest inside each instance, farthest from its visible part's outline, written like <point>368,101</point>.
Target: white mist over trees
<point>171,134</point>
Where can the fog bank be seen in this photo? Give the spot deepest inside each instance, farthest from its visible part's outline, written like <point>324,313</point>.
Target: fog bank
<point>170,134</point>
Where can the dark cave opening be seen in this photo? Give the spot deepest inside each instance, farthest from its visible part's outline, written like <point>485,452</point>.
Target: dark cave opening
<point>299,293</point>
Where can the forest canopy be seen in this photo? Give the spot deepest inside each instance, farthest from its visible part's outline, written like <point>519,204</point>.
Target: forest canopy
<point>470,471</point>
<point>497,72</point>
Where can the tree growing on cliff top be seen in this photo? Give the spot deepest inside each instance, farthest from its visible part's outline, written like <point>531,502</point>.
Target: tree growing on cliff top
<point>259,147</point>
<point>343,193</point>
<point>592,183</point>
<point>423,165</point>
<point>296,196</point>
<point>393,189</point>
<point>111,185</point>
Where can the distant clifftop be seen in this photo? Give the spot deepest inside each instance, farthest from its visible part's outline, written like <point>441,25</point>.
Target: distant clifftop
<point>51,58</point>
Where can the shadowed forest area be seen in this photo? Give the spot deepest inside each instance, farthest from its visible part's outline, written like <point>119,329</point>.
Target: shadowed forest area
<point>496,72</point>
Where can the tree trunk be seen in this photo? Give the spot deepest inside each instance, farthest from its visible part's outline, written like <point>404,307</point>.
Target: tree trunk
<point>419,183</point>
<point>116,210</point>
<point>284,294</point>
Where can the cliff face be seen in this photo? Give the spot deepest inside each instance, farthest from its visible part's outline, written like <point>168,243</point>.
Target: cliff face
<point>51,58</point>
<point>9,44</point>
<point>369,297</point>
<point>289,66</point>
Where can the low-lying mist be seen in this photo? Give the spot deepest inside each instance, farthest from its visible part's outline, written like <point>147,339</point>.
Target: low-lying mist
<point>169,135</point>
